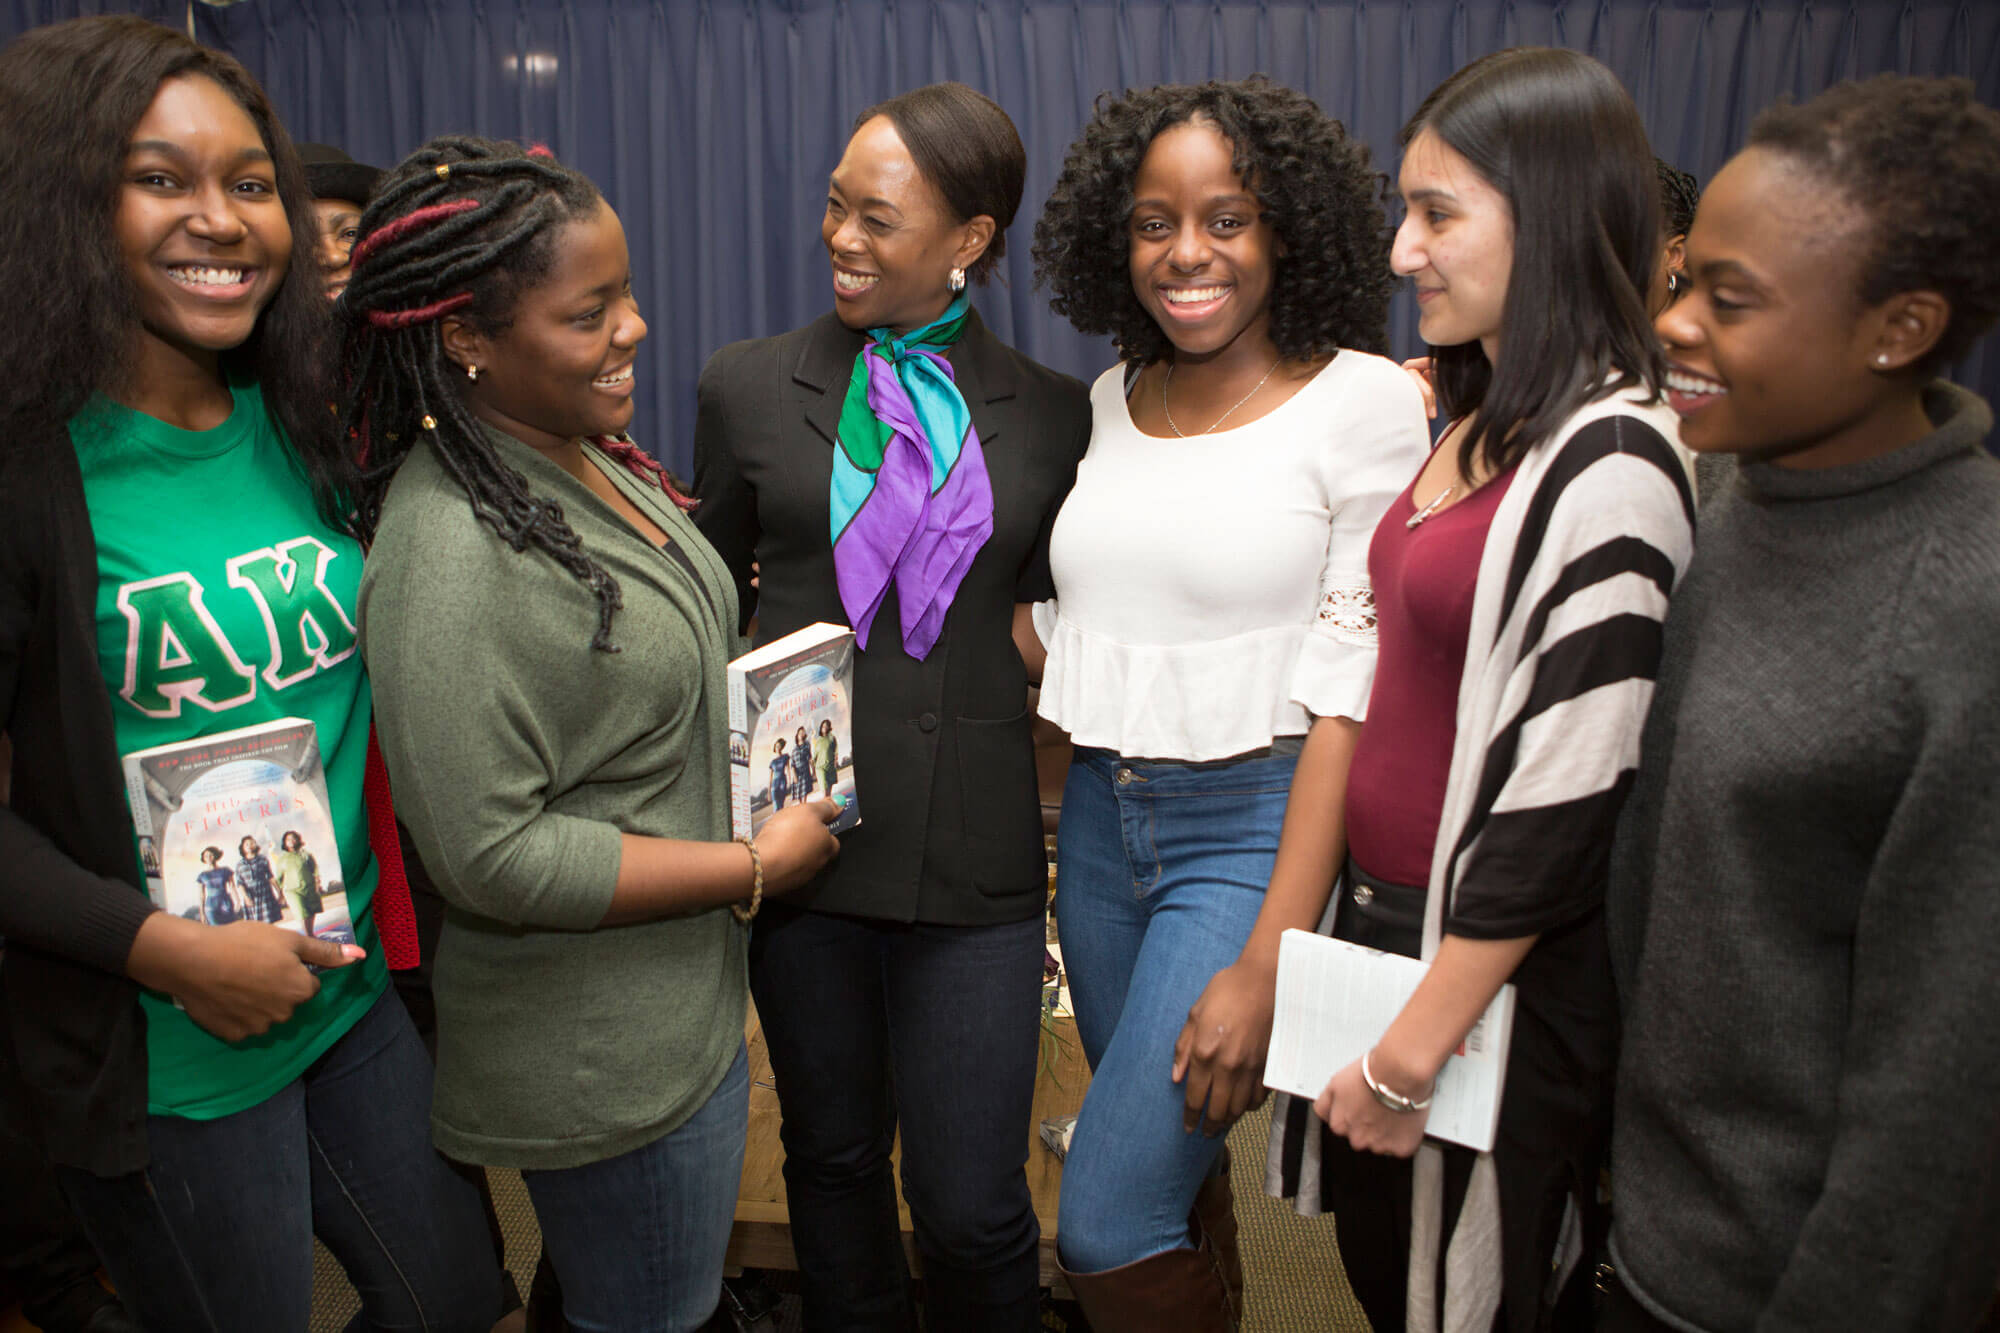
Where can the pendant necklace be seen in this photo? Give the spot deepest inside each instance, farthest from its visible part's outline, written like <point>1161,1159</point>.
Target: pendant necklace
<point>1430,508</point>
<point>1169,379</point>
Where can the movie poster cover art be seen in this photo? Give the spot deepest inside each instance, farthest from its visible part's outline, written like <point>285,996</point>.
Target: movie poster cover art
<point>235,827</point>
<point>792,727</point>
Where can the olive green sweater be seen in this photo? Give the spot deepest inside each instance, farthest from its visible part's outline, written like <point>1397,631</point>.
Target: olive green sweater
<point>518,755</point>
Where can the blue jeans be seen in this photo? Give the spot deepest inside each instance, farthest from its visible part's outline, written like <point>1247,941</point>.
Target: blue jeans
<point>1161,871</point>
<point>874,1022</point>
<point>215,1235</point>
<point>638,1239</point>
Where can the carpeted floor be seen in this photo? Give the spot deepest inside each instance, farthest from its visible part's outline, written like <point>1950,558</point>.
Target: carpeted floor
<point>1291,1265</point>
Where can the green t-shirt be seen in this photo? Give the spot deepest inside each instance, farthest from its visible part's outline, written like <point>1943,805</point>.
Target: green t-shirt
<point>224,600</point>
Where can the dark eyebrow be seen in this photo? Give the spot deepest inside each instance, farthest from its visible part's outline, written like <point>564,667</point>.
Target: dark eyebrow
<point>1428,193</point>
<point>833,184</point>
<point>1722,270</point>
<point>172,149</point>
<point>1240,199</point>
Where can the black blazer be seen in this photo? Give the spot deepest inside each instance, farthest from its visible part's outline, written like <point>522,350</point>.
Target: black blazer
<point>951,827</point>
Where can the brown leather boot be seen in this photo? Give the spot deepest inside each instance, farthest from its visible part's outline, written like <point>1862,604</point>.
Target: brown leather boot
<point>1214,1216</point>
<point>1180,1291</point>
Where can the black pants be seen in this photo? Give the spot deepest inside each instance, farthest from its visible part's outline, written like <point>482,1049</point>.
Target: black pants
<point>1554,1127</point>
<point>875,1024</point>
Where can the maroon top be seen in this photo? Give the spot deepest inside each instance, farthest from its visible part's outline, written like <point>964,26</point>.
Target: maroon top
<point>1424,579</point>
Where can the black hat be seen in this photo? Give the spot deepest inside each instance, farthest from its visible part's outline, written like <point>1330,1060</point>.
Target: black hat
<point>332,174</point>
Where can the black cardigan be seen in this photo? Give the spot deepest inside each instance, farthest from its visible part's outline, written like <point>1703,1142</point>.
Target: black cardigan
<point>951,826</point>
<point>71,901</point>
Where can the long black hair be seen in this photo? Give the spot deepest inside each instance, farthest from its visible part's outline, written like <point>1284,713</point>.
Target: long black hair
<point>1557,135</point>
<point>1315,184</point>
<point>70,96</point>
<point>463,226</point>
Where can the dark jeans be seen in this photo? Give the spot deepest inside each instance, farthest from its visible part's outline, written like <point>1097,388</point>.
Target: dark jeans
<point>873,1023</point>
<point>639,1239</point>
<point>215,1235</point>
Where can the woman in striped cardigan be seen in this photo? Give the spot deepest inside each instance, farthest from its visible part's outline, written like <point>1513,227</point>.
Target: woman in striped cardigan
<point>1520,583</point>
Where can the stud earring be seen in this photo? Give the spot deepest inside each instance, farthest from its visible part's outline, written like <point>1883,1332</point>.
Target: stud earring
<point>1882,360</point>
<point>956,280</point>
<point>472,373</point>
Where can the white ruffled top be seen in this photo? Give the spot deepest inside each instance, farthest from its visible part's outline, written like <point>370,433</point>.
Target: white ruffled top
<point>1212,592</point>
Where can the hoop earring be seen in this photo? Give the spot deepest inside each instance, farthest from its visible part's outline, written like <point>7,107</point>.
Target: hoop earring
<point>956,280</point>
<point>472,373</point>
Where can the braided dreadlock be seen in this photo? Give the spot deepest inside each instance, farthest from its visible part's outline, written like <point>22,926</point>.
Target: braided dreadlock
<point>463,225</point>
<point>1680,193</point>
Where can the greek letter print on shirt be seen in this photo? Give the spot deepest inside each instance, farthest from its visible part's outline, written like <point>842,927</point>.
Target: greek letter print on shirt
<point>176,649</point>
<point>224,601</point>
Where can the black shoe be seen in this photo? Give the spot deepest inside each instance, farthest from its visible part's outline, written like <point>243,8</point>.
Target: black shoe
<point>82,1307</point>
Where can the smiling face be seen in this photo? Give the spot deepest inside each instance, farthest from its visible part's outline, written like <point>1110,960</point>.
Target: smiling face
<point>891,238</point>
<point>1456,242</point>
<point>1771,353</point>
<point>292,842</point>
<point>203,232</point>
<point>1202,256</point>
<point>339,225</point>
<point>563,367</point>
<point>247,847</point>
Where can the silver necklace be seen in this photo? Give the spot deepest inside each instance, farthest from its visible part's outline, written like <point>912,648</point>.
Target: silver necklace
<point>1430,508</point>
<point>1169,379</point>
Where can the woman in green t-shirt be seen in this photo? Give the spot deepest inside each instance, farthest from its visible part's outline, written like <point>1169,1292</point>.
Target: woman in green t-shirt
<point>297,876</point>
<point>171,501</point>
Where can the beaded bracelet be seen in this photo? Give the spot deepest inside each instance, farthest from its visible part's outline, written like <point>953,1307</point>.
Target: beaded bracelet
<point>1395,1101</point>
<point>743,913</point>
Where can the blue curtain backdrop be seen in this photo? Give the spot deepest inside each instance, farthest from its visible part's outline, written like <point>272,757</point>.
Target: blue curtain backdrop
<point>711,124</point>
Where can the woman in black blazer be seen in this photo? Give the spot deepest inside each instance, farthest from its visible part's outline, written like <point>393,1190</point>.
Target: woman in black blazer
<point>903,986</point>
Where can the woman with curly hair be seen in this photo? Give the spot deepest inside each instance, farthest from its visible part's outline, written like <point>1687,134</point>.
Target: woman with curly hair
<point>175,562</point>
<point>1209,652</point>
<point>1806,886</point>
<point>1520,581</point>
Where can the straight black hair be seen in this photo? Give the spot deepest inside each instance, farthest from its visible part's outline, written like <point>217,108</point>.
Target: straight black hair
<point>1556,134</point>
<point>70,95</point>
<point>970,152</point>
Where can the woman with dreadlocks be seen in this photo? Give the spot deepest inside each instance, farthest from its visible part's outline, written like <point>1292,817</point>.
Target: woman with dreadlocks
<point>213,1093</point>
<point>548,634</point>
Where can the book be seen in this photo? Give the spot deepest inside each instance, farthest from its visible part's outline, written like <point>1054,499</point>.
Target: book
<point>791,727</point>
<point>1334,1002</point>
<point>236,827</point>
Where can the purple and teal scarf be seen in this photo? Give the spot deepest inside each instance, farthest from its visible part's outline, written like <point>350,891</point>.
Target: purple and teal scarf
<point>911,501</point>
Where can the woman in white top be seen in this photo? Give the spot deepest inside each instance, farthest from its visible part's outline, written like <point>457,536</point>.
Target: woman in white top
<point>1212,636</point>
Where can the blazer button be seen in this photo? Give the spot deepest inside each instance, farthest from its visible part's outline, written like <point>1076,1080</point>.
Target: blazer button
<point>1363,895</point>
<point>928,722</point>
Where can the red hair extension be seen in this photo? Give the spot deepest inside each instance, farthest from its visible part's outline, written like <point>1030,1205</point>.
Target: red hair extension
<point>647,468</point>
<point>404,225</point>
<point>423,314</point>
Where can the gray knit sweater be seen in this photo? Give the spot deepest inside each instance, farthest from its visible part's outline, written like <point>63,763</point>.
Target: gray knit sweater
<point>1805,906</point>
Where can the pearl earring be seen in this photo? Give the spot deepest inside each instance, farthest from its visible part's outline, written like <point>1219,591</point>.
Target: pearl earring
<point>472,373</point>
<point>956,280</point>
<point>1882,360</point>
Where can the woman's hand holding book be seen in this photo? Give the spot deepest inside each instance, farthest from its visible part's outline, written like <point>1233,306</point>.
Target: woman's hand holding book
<point>237,980</point>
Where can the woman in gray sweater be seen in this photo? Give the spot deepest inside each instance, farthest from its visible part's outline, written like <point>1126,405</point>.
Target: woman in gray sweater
<point>1806,886</point>
<point>548,635</point>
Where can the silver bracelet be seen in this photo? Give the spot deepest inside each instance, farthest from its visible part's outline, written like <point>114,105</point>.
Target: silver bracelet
<point>1394,1101</point>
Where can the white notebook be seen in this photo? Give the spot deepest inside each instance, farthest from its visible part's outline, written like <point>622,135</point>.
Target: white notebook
<point>1335,1000</point>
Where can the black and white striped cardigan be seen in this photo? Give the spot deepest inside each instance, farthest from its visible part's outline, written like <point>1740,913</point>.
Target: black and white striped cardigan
<point>1583,552</point>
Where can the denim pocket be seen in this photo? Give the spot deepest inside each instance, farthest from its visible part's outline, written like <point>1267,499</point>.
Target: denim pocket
<point>1002,804</point>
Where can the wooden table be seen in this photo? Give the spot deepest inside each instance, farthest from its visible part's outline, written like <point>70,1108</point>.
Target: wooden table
<point>762,1237</point>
